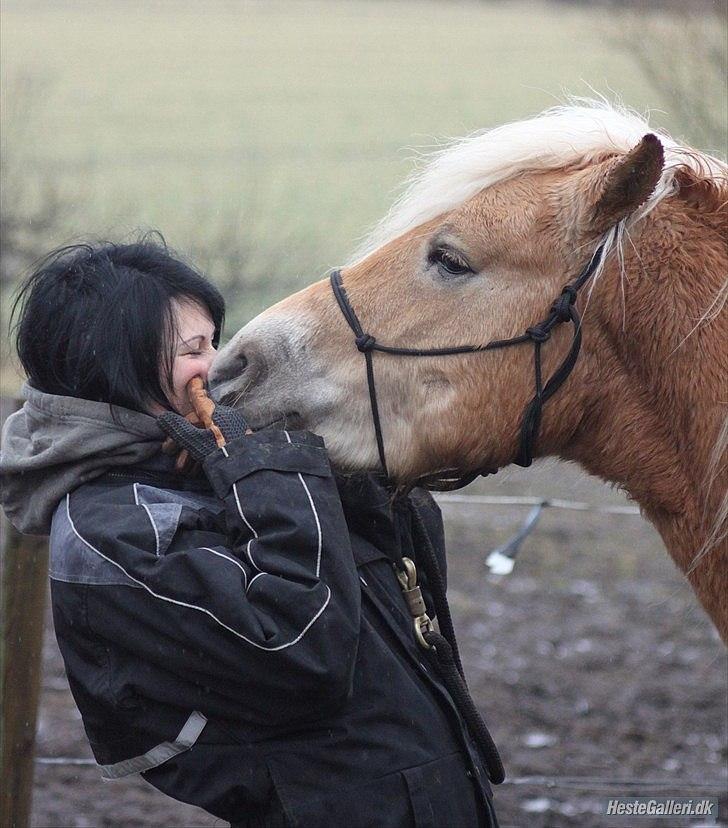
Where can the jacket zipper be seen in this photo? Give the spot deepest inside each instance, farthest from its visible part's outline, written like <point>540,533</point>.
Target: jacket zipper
<point>452,714</point>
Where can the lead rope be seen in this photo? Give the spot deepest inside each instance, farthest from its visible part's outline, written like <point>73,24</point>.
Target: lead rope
<point>443,645</point>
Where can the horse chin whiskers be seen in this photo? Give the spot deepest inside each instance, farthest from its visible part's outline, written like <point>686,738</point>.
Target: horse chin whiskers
<point>233,398</point>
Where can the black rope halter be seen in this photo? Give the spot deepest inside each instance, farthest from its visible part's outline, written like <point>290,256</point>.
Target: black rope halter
<point>562,310</point>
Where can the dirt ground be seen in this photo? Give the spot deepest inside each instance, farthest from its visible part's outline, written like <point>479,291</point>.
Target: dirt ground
<point>592,662</point>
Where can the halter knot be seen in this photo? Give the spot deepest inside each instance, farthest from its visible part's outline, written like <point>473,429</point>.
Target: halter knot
<point>538,333</point>
<point>571,292</point>
<point>561,308</point>
<point>365,342</point>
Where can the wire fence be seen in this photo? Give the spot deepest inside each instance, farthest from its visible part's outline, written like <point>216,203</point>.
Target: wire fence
<point>544,502</point>
<point>501,560</point>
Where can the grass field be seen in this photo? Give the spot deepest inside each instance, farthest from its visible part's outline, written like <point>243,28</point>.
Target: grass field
<point>263,138</point>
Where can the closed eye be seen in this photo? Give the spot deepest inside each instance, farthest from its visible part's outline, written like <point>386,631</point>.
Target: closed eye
<point>203,349</point>
<point>449,263</point>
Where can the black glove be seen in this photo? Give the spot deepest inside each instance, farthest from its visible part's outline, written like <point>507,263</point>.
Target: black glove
<point>199,442</point>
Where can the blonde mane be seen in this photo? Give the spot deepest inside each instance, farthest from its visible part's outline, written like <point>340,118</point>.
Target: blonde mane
<point>580,133</point>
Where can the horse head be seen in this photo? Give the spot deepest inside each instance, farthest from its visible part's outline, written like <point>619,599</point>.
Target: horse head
<point>476,250</point>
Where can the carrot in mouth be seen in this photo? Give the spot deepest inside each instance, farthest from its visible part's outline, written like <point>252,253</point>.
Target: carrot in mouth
<point>204,408</point>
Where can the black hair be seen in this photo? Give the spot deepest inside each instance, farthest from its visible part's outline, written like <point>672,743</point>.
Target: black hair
<point>96,321</point>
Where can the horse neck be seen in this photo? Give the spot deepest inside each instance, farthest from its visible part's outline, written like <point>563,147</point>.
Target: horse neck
<point>654,417</point>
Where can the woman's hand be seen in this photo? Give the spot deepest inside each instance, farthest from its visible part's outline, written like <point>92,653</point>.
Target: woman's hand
<point>200,442</point>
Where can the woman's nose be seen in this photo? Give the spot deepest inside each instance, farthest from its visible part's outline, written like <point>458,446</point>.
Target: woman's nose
<point>205,364</point>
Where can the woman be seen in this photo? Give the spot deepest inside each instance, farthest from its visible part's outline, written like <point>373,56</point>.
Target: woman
<point>238,635</point>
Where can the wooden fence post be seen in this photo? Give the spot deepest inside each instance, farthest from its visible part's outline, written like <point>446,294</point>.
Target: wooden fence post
<point>23,584</point>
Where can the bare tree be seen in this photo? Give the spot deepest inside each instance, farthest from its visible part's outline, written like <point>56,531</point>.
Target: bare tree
<point>30,203</point>
<point>683,54</point>
<point>31,206</point>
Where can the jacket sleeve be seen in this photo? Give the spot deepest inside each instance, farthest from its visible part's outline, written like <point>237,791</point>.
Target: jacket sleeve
<point>272,617</point>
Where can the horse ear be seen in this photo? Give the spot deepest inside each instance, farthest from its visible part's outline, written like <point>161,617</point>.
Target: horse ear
<point>628,184</point>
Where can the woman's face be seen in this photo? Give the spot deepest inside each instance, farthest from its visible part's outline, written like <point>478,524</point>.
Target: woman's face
<point>193,351</point>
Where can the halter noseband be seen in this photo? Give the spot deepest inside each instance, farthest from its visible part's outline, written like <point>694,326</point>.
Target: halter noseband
<point>562,310</point>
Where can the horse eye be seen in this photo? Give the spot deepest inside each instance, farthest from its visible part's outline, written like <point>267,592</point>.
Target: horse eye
<point>449,263</point>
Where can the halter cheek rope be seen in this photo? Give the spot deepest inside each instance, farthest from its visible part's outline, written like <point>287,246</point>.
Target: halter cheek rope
<point>562,310</point>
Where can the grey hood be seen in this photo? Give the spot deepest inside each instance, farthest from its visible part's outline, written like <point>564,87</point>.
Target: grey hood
<point>54,444</point>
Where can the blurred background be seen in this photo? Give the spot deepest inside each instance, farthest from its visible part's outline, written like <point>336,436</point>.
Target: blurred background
<point>263,139</point>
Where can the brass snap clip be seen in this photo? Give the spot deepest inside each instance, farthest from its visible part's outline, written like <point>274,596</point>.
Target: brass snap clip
<point>415,602</point>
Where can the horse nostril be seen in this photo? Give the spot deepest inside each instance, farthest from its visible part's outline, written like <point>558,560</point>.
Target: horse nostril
<point>228,369</point>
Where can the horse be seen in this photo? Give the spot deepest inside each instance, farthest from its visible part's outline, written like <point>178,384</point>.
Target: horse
<point>468,261</point>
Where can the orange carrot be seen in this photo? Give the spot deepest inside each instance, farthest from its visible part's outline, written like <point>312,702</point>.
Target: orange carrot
<point>204,408</point>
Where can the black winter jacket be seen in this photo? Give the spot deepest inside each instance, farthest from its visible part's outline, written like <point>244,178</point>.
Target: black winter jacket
<point>240,639</point>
